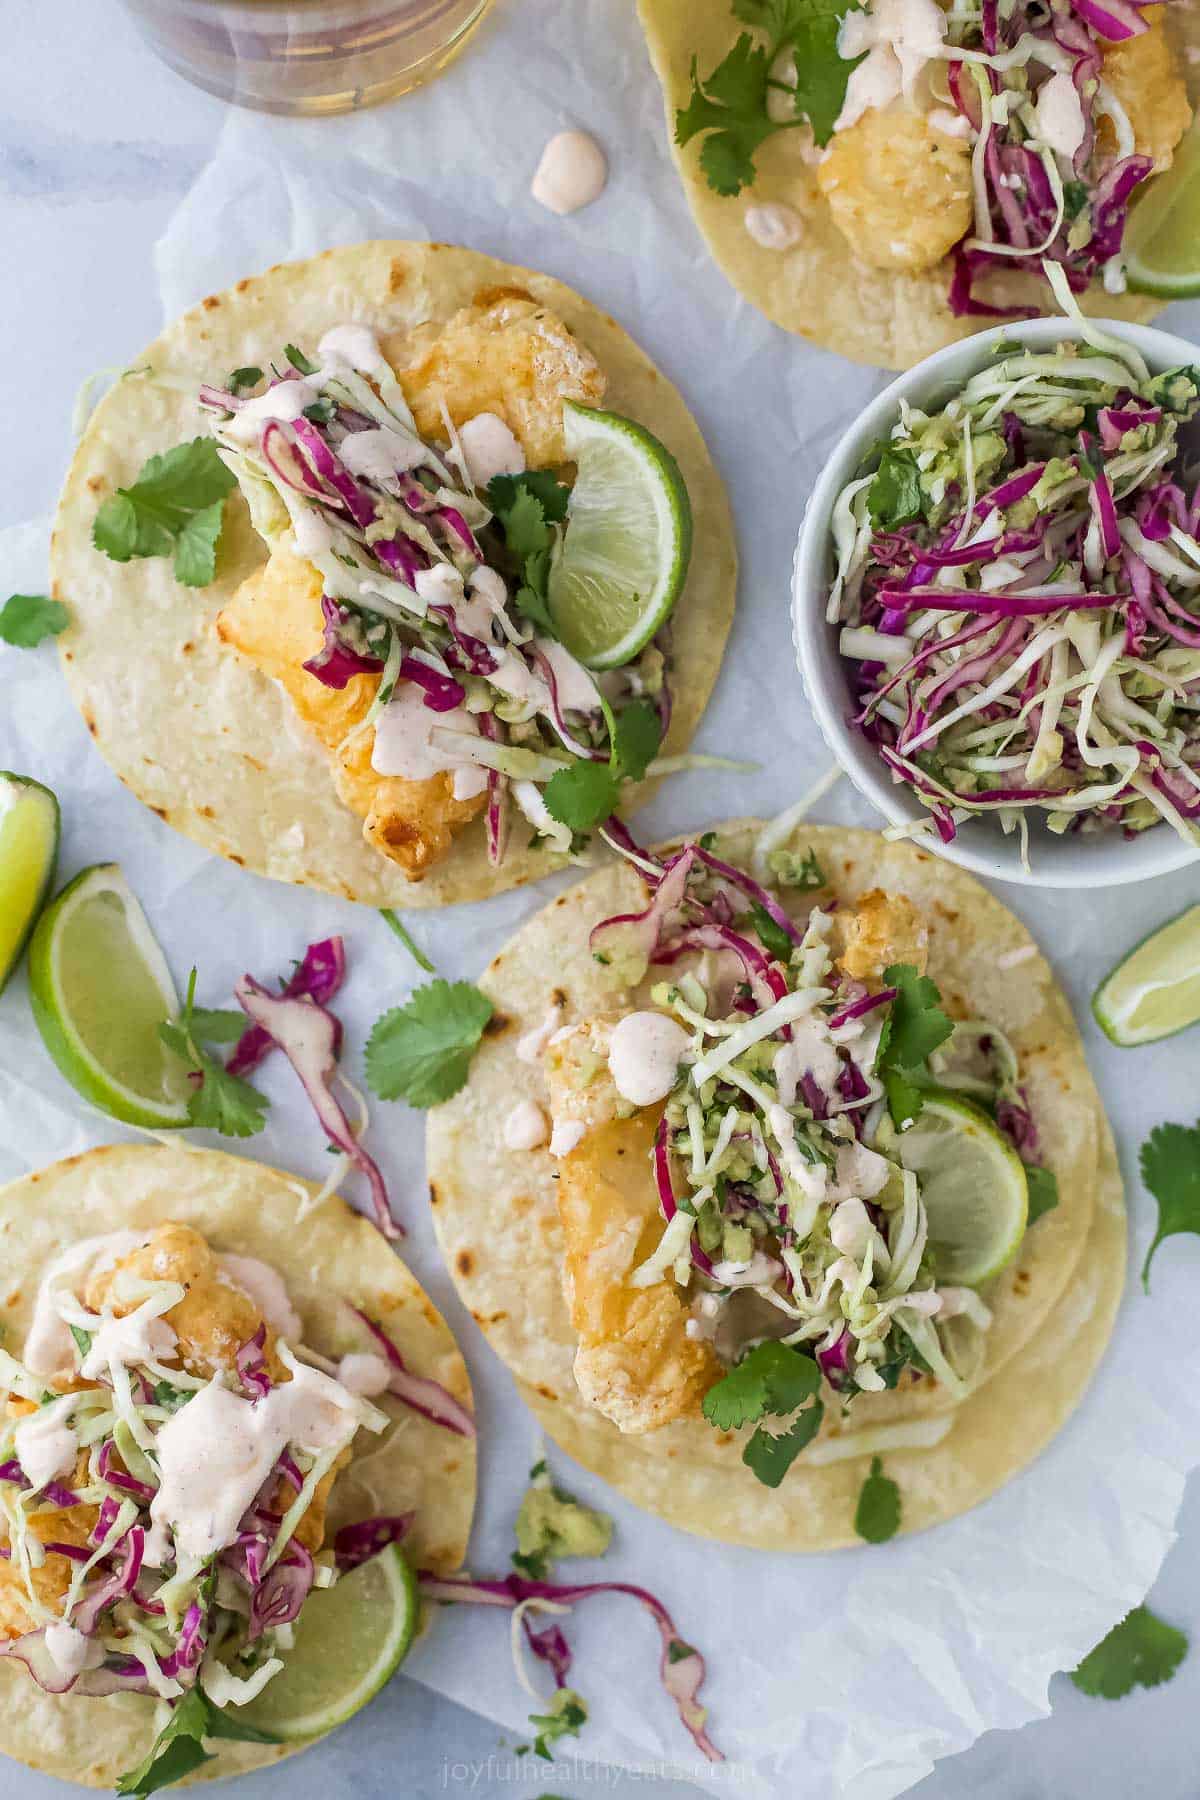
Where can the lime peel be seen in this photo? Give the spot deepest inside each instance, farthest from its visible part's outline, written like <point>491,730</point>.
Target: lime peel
<point>350,1640</point>
<point>623,560</point>
<point>99,987</point>
<point>29,834</point>
<point>1154,991</point>
<point>973,1185</point>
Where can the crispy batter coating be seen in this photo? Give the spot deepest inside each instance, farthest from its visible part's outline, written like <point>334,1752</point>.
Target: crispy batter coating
<point>211,1322</point>
<point>1143,72</point>
<point>505,355</point>
<point>883,929</point>
<point>899,190</point>
<point>274,619</point>
<point>635,1362</point>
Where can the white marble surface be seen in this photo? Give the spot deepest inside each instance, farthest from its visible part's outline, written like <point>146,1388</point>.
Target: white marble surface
<point>98,144</point>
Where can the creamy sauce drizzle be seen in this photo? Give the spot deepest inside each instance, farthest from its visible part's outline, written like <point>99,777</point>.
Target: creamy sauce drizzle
<point>644,1055</point>
<point>573,172</point>
<point>525,1127</point>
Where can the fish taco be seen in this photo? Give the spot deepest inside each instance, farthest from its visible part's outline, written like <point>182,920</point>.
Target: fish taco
<point>224,1408</point>
<point>391,572</point>
<point>785,1155</point>
<point>881,178</point>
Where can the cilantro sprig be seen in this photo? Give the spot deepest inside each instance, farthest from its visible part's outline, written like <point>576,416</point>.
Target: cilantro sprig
<point>527,508</point>
<point>174,508</point>
<point>178,1749</point>
<point>912,1031</point>
<point>1142,1651</point>
<point>729,106</point>
<point>26,619</point>
<point>584,794</point>
<point>877,1515</point>
<point>219,1101</point>
<point>421,1051</point>
<point>773,1381</point>
<point>1170,1162</point>
<point>895,496</point>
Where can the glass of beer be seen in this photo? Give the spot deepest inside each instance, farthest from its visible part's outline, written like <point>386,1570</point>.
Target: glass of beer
<point>307,56</point>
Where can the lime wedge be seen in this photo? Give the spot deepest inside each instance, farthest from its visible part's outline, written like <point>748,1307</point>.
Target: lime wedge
<point>350,1640</point>
<point>973,1186</point>
<point>99,986</point>
<point>28,851</point>
<point>624,556</point>
<point>1155,990</point>
<point>1162,238</point>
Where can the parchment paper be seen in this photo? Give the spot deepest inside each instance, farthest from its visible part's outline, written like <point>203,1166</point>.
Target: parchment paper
<point>829,1676</point>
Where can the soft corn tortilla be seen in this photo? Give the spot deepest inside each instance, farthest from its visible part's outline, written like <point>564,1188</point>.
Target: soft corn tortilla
<point>495,1211</point>
<point>328,1257</point>
<point>206,740</point>
<point>818,289</point>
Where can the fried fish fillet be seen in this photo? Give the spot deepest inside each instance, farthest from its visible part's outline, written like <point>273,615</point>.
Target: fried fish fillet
<point>274,619</point>
<point>1143,73</point>
<point>506,355</point>
<point>883,929</point>
<point>635,1362</point>
<point>899,189</point>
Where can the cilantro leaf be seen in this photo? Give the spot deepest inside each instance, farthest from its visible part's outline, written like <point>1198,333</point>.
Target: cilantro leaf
<point>822,73</point>
<point>421,1052</point>
<point>212,1026</point>
<point>25,619</point>
<point>298,360</point>
<point>1142,1651</point>
<point>1043,1191</point>
<point>732,106</point>
<point>877,1515</point>
<point>83,1340</point>
<point>913,1029</point>
<point>175,1752</point>
<point>1171,1170</point>
<point>773,937</point>
<point>773,1378</point>
<point>637,734</point>
<point>769,1456</point>
<point>241,379</point>
<point>731,103</point>
<point>894,497</point>
<point>178,1749</point>
<point>582,795</point>
<point>174,508</point>
<point>527,506</point>
<point>541,484</point>
<point>323,411</point>
<point>219,1101</point>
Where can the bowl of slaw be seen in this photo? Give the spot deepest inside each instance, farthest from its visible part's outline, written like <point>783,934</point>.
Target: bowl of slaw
<point>1012,675</point>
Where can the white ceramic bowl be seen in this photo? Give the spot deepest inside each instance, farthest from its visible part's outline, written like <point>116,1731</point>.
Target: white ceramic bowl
<point>1102,860</point>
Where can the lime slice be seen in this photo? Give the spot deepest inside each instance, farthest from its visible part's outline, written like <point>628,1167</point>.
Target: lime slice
<point>100,986</point>
<point>350,1640</point>
<point>28,851</point>
<point>973,1186</point>
<point>1162,238</point>
<point>1155,990</point>
<point>625,552</point>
